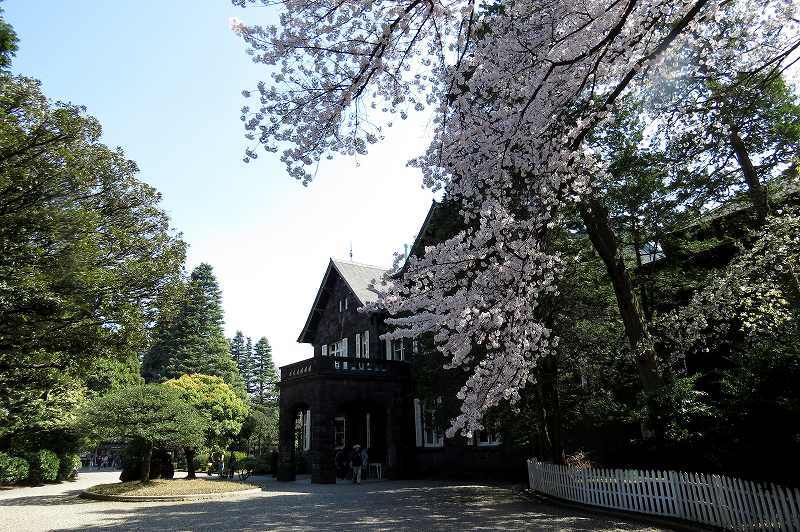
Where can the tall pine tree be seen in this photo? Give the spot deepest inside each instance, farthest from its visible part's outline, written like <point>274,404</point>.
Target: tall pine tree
<point>246,368</point>
<point>238,346</point>
<point>264,377</point>
<point>194,341</point>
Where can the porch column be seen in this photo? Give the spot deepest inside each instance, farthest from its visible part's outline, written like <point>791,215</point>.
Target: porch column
<point>286,444</point>
<point>323,468</point>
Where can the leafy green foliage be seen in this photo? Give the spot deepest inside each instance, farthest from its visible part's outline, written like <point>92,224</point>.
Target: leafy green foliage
<point>8,42</point>
<point>70,463</point>
<point>44,466</point>
<point>193,342</point>
<point>87,257</point>
<point>150,413</point>
<point>216,402</point>
<point>259,433</point>
<point>13,469</point>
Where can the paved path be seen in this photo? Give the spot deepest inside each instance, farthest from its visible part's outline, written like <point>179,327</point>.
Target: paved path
<point>294,506</point>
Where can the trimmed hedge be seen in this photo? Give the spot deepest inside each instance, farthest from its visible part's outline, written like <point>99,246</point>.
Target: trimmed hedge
<point>44,466</point>
<point>13,469</point>
<point>69,466</point>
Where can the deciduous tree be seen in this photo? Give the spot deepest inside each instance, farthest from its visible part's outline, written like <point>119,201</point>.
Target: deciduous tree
<point>516,89</point>
<point>86,254</point>
<point>221,408</point>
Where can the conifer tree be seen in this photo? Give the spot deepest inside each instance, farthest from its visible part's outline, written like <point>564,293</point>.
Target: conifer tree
<point>264,377</point>
<point>246,367</point>
<point>194,341</point>
<point>237,345</point>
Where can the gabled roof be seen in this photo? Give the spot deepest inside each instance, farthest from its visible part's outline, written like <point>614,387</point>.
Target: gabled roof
<point>357,276</point>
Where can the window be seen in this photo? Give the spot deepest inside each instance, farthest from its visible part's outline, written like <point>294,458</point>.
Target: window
<point>339,435</point>
<point>427,433</point>
<point>398,349</point>
<point>335,349</point>
<point>489,438</point>
<point>342,304</point>
<point>345,303</point>
<point>338,349</point>
<point>303,429</point>
<point>362,344</point>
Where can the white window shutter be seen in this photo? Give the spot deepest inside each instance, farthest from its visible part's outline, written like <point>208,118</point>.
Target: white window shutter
<point>365,354</point>
<point>325,350</point>
<point>307,431</point>
<point>418,421</point>
<point>388,349</point>
<point>344,347</point>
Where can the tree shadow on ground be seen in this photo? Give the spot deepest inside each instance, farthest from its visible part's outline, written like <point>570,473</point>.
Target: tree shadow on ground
<point>379,506</point>
<point>69,497</point>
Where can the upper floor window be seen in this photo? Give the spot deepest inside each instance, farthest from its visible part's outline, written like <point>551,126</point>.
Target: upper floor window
<point>362,344</point>
<point>343,304</point>
<point>397,351</point>
<point>336,349</point>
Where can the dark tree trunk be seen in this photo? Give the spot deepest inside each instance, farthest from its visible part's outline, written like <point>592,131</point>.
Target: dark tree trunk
<point>146,459</point>
<point>548,376</point>
<point>190,454</point>
<point>757,192</point>
<point>595,217</point>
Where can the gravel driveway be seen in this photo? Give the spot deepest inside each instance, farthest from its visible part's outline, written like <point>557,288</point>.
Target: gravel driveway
<point>379,505</point>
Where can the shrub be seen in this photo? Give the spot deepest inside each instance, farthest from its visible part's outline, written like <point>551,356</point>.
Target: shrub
<point>44,466</point>
<point>13,469</point>
<point>239,455</point>
<point>69,466</point>
<point>254,465</point>
<point>201,461</point>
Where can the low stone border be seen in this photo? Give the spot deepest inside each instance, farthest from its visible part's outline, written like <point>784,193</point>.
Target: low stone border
<point>86,494</point>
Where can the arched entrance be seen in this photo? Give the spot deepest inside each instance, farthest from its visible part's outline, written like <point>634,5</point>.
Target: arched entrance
<point>363,423</point>
<point>294,441</point>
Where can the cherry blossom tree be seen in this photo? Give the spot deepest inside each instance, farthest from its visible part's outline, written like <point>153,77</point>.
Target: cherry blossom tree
<point>514,89</point>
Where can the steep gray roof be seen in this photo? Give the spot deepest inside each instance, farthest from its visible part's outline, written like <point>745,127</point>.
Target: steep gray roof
<point>358,277</point>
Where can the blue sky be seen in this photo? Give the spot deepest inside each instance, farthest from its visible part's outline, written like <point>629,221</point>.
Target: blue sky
<point>165,79</point>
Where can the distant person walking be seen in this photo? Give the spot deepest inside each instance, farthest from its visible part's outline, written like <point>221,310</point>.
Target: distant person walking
<point>355,463</point>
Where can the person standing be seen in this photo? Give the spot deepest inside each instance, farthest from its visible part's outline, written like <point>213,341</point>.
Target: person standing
<point>356,463</point>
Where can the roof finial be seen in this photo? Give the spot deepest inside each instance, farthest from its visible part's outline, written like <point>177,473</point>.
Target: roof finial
<point>351,251</point>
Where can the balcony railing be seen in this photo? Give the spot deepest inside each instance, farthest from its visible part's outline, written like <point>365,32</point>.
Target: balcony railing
<point>345,367</point>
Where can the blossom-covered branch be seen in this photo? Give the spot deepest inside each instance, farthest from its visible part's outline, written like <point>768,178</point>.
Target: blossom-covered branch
<point>514,88</point>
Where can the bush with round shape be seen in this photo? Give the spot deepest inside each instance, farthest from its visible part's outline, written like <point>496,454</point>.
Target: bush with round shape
<point>13,469</point>
<point>44,466</point>
<point>69,466</point>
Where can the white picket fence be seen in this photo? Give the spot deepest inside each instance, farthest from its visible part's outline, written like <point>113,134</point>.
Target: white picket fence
<point>715,500</point>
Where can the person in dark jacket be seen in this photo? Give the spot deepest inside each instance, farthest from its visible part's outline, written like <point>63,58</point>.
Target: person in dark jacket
<point>355,463</point>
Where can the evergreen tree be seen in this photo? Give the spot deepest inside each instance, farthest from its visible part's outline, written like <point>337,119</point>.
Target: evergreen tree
<point>265,378</point>
<point>237,346</point>
<point>194,341</point>
<point>246,367</point>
